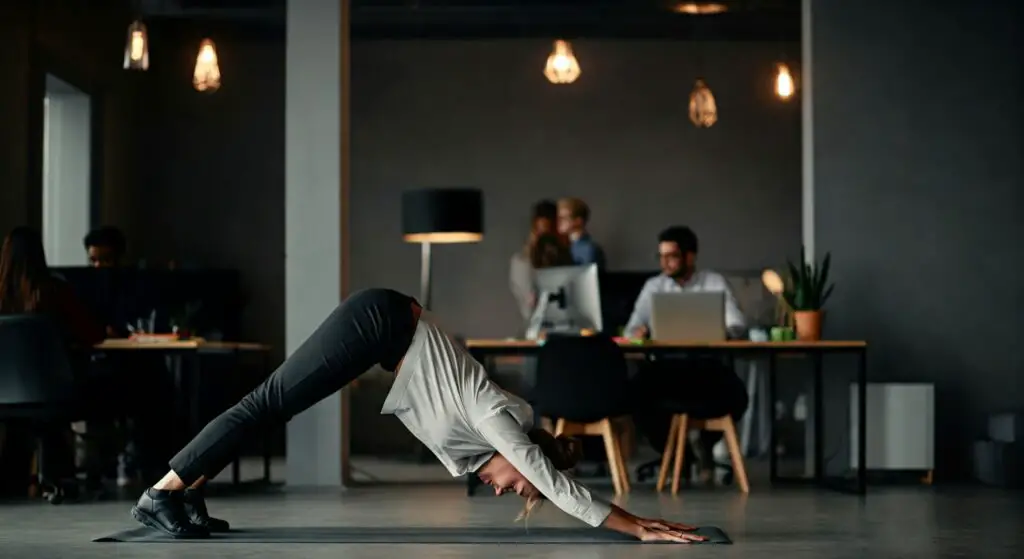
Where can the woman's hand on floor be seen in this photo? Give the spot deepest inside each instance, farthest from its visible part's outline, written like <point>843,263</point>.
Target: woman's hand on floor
<point>656,530</point>
<point>649,529</point>
<point>658,524</point>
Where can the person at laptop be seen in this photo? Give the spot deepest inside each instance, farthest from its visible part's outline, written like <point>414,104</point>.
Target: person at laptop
<point>703,387</point>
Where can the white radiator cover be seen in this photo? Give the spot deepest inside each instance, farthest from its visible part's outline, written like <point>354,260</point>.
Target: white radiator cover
<point>901,426</point>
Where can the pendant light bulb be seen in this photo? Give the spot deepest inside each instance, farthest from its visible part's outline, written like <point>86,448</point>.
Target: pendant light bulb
<point>784,85</point>
<point>206,76</point>
<point>136,48</point>
<point>562,66</point>
<point>703,109</point>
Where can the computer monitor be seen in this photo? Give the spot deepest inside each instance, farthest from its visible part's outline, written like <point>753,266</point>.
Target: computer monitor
<point>568,300</point>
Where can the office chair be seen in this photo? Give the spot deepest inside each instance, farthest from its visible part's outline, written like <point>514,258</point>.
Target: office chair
<point>582,386</point>
<point>37,386</point>
<point>687,461</point>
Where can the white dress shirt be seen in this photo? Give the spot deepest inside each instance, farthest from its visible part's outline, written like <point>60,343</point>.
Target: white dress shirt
<point>521,283</point>
<point>702,281</point>
<point>444,397</point>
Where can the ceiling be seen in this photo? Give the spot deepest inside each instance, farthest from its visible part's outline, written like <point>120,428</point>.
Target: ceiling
<point>740,20</point>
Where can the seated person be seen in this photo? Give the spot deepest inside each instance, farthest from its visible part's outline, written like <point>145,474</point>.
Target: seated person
<point>105,247</point>
<point>702,386</point>
<point>27,287</point>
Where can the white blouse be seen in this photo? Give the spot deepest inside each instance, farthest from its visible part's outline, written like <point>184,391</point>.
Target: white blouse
<point>444,397</point>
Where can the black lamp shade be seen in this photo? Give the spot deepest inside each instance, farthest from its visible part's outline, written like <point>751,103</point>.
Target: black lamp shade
<point>443,215</point>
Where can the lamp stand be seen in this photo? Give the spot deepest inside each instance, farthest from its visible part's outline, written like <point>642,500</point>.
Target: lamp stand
<point>425,287</point>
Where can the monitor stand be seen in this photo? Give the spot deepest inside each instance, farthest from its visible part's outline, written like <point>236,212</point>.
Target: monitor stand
<point>539,322</point>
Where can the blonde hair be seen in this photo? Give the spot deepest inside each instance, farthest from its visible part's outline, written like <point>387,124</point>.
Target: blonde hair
<point>576,208</point>
<point>563,452</point>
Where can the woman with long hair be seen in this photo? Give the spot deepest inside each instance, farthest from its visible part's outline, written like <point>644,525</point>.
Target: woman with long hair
<point>28,287</point>
<point>520,272</point>
<point>441,394</point>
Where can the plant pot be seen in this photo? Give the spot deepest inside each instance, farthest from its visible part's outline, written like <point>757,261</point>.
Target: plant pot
<point>808,325</point>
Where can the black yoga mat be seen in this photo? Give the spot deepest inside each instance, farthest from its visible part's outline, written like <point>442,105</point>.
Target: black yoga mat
<point>424,535</point>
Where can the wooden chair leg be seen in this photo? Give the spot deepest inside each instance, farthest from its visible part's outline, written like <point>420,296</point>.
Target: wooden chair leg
<point>609,447</point>
<point>620,457</point>
<point>735,454</point>
<point>680,450</point>
<point>666,453</point>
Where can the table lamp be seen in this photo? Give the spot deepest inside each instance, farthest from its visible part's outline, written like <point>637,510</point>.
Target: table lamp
<point>440,216</point>
<point>773,283</point>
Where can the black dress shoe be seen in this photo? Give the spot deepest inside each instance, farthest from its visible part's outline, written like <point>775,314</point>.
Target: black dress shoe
<point>165,511</point>
<point>195,506</point>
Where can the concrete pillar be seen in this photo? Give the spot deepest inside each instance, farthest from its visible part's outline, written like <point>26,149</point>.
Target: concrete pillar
<point>807,125</point>
<point>316,173</point>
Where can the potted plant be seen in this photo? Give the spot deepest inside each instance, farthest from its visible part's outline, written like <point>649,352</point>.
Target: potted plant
<point>806,293</point>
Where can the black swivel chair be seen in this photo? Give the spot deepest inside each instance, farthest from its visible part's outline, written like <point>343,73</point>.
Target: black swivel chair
<point>582,385</point>
<point>37,384</point>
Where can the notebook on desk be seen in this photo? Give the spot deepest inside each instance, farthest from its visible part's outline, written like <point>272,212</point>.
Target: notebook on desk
<point>690,317</point>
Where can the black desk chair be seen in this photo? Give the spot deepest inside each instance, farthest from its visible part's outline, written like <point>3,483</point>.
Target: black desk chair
<point>582,385</point>
<point>37,386</point>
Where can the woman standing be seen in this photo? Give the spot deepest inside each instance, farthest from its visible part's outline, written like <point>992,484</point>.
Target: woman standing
<point>543,248</point>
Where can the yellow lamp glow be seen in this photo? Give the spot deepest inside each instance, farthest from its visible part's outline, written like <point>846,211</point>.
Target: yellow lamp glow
<point>699,8</point>
<point>776,286</point>
<point>562,66</point>
<point>773,282</point>
<point>206,76</point>
<point>784,84</point>
<point>703,109</point>
<point>136,48</point>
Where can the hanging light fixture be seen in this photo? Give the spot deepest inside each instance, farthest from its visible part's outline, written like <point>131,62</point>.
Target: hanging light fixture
<point>136,48</point>
<point>699,8</point>
<point>703,110</point>
<point>206,76</point>
<point>784,84</point>
<point>562,66</point>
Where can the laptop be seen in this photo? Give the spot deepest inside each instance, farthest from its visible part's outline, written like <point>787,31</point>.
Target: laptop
<point>688,317</point>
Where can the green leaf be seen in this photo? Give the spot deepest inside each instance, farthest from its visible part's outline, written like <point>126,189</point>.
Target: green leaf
<point>828,293</point>
<point>823,277</point>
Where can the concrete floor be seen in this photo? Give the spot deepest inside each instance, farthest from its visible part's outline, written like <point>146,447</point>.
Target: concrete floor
<point>779,523</point>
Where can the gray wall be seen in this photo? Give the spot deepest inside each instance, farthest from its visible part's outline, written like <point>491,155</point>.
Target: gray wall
<point>480,113</point>
<point>81,44</point>
<point>919,189</point>
<point>212,172</point>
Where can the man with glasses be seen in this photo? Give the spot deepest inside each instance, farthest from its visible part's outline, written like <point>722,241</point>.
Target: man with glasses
<point>701,386</point>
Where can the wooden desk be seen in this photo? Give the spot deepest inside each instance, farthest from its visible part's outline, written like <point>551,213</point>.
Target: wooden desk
<point>188,377</point>
<point>486,350</point>
<point>513,345</point>
<point>195,344</point>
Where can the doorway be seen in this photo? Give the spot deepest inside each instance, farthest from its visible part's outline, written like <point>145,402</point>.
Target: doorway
<point>67,171</point>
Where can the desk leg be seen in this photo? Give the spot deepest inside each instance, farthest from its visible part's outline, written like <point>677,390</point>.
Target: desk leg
<point>181,430</point>
<point>819,418</point>
<point>472,480</point>
<point>194,379</point>
<point>236,464</point>
<point>773,457</point>
<point>862,423</point>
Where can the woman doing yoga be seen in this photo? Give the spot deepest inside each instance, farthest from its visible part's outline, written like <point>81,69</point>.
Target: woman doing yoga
<point>441,394</point>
